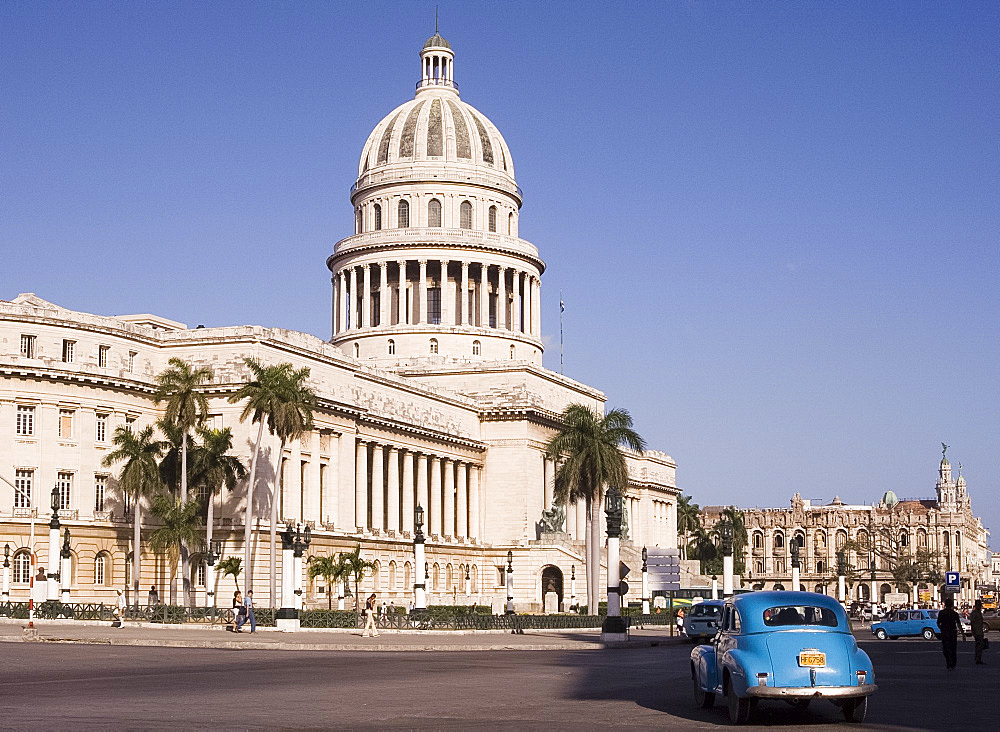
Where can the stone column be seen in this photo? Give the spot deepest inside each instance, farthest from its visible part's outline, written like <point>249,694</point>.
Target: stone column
<point>361,487</point>
<point>484,296</point>
<point>384,298</point>
<point>344,495</point>
<point>422,492</point>
<point>538,308</point>
<point>366,297</point>
<point>526,318</point>
<point>401,302</point>
<point>378,487</point>
<point>462,511</point>
<point>447,309</point>
<point>407,489</point>
<point>448,496</point>
<point>515,305</point>
<point>422,285</point>
<point>392,492</point>
<point>352,305</point>
<point>475,525</point>
<point>434,513</point>
<point>466,310</point>
<point>502,298</point>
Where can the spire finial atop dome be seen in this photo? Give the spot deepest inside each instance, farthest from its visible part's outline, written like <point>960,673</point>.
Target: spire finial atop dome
<point>437,62</point>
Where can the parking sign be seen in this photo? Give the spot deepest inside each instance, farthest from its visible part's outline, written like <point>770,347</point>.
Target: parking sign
<point>952,581</point>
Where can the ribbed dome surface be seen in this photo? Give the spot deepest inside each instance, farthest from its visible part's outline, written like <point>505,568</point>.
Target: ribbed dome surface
<point>436,41</point>
<point>436,126</point>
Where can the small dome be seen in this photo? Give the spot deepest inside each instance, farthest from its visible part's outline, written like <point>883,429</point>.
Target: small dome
<point>890,499</point>
<point>437,41</point>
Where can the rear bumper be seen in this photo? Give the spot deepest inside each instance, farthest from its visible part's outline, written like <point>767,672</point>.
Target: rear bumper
<point>810,692</point>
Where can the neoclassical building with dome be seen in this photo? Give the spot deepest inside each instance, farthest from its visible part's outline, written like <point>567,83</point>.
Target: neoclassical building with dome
<point>431,392</point>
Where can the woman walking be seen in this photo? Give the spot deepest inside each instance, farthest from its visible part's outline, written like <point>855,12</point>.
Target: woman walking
<point>238,611</point>
<point>370,618</point>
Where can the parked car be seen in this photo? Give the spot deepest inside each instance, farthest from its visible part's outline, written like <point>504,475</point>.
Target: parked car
<point>991,619</point>
<point>701,621</point>
<point>907,623</point>
<point>785,646</point>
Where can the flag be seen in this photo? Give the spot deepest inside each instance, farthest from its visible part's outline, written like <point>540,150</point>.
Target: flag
<point>562,306</point>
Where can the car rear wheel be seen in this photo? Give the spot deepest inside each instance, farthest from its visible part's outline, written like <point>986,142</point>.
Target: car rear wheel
<point>881,634</point>
<point>739,708</point>
<point>856,709</point>
<point>928,634</point>
<point>704,699</point>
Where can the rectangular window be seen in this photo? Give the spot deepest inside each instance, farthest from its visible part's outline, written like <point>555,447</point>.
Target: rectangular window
<point>64,482</point>
<point>28,346</point>
<point>100,488</point>
<point>101,428</point>
<point>69,348</point>
<point>102,356</point>
<point>66,423</point>
<point>130,423</point>
<point>99,570</point>
<point>131,361</point>
<point>23,480</point>
<point>25,420</point>
<point>200,580</point>
<point>434,305</point>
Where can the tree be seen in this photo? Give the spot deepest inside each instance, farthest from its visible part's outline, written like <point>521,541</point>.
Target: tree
<point>214,468</point>
<point>332,569</point>
<point>588,446</point>
<point>178,385</point>
<point>139,477</point>
<point>688,520</point>
<point>276,395</point>
<point>179,527</point>
<point>356,568</point>
<point>170,463</point>
<point>232,566</point>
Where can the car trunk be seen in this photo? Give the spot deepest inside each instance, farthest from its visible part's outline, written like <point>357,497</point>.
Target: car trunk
<point>784,647</point>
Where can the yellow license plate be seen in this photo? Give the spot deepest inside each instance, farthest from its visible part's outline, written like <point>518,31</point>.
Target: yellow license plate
<point>812,658</point>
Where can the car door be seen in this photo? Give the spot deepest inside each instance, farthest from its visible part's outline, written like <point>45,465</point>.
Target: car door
<point>724,641</point>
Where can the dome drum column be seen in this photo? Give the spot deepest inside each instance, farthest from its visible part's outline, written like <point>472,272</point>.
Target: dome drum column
<point>401,288</point>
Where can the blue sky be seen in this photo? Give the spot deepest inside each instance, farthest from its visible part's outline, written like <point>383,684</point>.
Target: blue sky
<point>774,225</point>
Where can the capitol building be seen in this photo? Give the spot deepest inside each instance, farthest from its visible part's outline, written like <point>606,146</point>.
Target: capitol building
<point>431,392</point>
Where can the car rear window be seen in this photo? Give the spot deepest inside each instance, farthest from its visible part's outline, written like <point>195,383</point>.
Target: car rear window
<point>799,615</point>
<point>705,611</point>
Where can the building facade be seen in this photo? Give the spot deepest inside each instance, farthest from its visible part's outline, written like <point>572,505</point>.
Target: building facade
<point>431,392</point>
<point>897,530</point>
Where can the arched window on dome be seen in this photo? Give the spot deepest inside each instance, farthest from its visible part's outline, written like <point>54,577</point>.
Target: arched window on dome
<point>493,218</point>
<point>465,211</point>
<point>403,214</point>
<point>434,212</point>
<point>378,217</point>
<point>476,348</point>
<point>434,345</point>
<point>510,224</point>
<point>392,347</point>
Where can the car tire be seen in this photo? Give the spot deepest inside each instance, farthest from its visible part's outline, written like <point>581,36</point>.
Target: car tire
<point>855,709</point>
<point>739,708</point>
<point>881,634</point>
<point>928,634</point>
<point>704,699</point>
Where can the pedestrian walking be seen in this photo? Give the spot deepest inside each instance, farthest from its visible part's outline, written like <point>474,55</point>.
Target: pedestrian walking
<point>153,597</point>
<point>948,623</point>
<point>239,611</point>
<point>119,611</point>
<point>370,606</point>
<point>978,630</point>
<point>247,614</point>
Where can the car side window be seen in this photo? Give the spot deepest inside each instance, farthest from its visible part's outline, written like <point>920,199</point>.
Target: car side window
<point>736,621</point>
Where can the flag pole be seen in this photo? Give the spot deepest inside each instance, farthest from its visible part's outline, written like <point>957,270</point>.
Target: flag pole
<point>562,308</point>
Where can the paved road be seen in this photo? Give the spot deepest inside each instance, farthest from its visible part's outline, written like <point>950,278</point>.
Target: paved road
<point>94,686</point>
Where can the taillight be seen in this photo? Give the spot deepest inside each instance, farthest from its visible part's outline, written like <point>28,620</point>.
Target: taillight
<point>862,678</point>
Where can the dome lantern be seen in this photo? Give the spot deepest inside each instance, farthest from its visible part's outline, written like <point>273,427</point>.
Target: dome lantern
<point>437,63</point>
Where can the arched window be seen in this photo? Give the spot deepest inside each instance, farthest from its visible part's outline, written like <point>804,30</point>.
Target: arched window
<point>493,218</point>
<point>474,577</point>
<point>779,540</point>
<point>392,575</point>
<point>407,579</point>
<point>821,589</point>
<point>392,347</point>
<point>436,577</point>
<point>376,575</point>
<point>403,215</point>
<point>102,570</point>
<point>800,539</point>
<point>434,212</point>
<point>841,539</point>
<point>378,217</point>
<point>434,345</point>
<point>510,224</point>
<point>22,567</point>
<point>476,348</point>
<point>778,587</point>
<point>758,540</point>
<point>921,539</point>
<point>465,215</point>
<point>904,538</point>
<point>758,566</point>
<point>821,540</point>
<point>820,567</point>
<point>449,578</point>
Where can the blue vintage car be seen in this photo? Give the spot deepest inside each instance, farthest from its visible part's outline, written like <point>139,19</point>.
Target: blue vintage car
<point>788,646</point>
<point>702,620</point>
<point>907,622</point>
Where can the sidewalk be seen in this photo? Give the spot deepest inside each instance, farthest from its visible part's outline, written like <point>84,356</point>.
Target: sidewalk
<point>315,639</point>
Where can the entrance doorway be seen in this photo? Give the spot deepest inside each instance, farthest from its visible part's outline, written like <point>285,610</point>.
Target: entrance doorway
<point>552,581</point>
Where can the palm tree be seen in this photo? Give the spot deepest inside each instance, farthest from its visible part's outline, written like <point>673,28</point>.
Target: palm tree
<point>180,524</point>
<point>170,463</point>
<point>140,476</point>
<point>356,568</point>
<point>688,520</point>
<point>332,569</point>
<point>214,468</point>
<point>178,385</point>
<point>233,566</point>
<point>278,395</point>
<point>589,447</point>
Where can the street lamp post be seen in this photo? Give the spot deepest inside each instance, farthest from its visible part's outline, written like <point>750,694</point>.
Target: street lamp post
<point>613,629</point>
<point>65,568</point>
<point>510,583</point>
<point>302,541</point>
<point>52,577</point>
<point>294,542</point>
<point>419,587</point>
<point>871,559</point>
<point>645,584</point>
<point>468,582</point>
<point>6,573</point>
<point>796,586</point>
<point>572,588</point>
<point>841,580</point>
<point>212,553</point>
<point>726,530</point>
<point>715,587</point>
